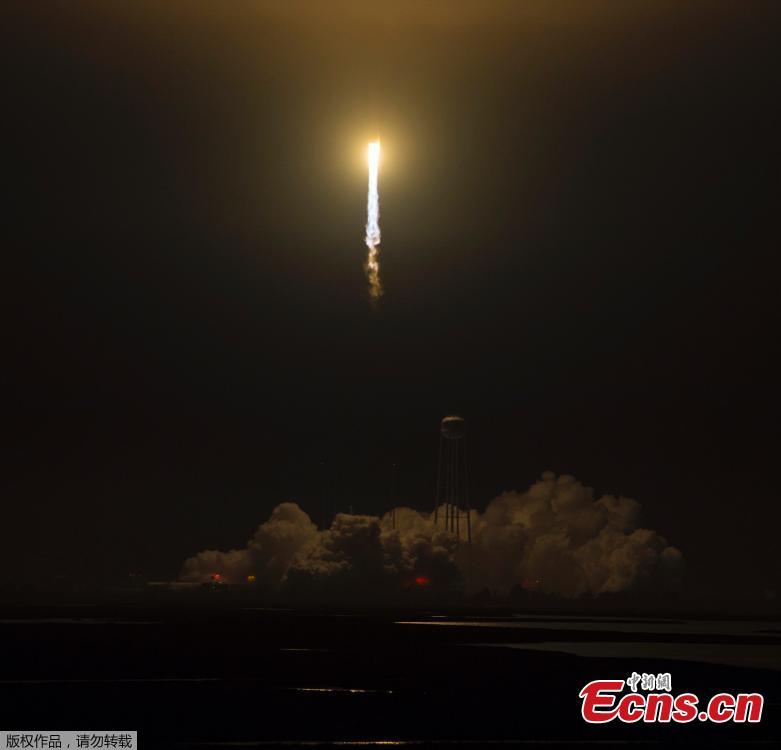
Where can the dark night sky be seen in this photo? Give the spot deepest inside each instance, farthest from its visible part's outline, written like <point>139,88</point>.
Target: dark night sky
<point>580,237</point>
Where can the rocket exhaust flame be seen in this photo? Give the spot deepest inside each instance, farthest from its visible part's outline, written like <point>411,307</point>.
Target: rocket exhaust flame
<point>372,265</point>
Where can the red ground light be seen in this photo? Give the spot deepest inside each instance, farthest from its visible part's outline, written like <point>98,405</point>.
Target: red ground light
<point>422,581</point>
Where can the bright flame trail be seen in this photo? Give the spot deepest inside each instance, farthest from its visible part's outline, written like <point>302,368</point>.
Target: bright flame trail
<point>372,265</point>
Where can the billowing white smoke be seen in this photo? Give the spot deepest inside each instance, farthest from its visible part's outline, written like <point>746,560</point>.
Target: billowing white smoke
<point>268,555</point>
<point>554,538</point>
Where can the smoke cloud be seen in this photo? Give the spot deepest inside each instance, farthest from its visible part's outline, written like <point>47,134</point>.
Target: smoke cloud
<point>554,538</point>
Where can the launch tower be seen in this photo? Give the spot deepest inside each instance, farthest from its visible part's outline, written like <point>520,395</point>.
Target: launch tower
<point>451,504</point>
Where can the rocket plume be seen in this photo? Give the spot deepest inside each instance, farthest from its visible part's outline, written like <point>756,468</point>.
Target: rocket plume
<point>372,265</point>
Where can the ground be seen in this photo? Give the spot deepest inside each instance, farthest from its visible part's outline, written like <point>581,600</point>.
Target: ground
<point>210,671</point>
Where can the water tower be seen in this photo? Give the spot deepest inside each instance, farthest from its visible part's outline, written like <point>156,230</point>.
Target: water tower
<point>451,504</point>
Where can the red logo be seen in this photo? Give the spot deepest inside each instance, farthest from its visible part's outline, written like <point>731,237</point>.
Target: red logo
<point>605,700</point>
